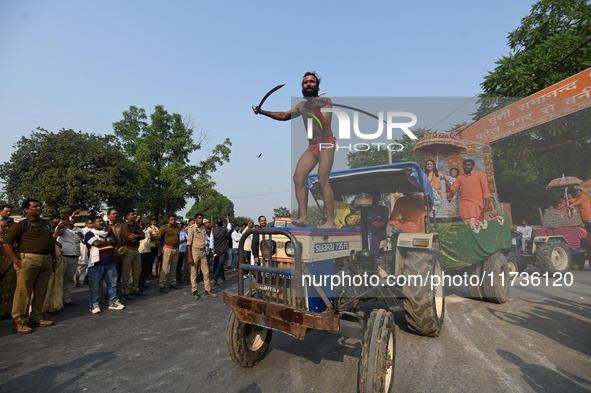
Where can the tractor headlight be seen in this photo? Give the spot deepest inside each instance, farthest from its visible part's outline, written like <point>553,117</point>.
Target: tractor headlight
<point>289,249</point>
<point>268,248</point>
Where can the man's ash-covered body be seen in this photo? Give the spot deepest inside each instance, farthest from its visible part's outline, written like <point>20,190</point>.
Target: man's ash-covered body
<point>319,151</point>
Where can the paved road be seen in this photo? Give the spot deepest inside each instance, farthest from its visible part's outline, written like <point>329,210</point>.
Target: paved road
<point>539,341</point>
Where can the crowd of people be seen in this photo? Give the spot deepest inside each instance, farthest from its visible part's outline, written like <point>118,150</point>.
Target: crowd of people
<point>42,259</point>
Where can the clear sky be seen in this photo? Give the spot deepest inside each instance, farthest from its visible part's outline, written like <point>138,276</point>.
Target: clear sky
<point>80,64</point>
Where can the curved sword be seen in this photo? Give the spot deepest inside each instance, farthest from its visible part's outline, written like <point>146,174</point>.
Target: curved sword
<point>358,110</point>
<point>273,90</point>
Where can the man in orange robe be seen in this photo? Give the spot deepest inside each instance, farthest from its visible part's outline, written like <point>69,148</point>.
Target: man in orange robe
<point>474,191</point>
<point>584,205</point>
<point>411,210</point>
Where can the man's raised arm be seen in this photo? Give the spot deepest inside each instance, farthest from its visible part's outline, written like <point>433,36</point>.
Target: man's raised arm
<point>281,116</point>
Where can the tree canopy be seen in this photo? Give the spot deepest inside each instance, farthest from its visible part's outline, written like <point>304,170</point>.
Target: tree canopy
<point>242,219</point>
<point>160,150</point>
<point>552,43</point>
<point>69,170</point>
<point>281,212</point>
<point>316,215</point>
<point>544,49</point>
<point>214,205</point>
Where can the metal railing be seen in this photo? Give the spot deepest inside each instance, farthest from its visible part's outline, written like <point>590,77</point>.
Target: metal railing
<point>266,273</point>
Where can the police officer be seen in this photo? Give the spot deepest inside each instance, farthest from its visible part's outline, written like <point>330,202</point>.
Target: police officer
<point>33,266</point>
<point>197,256</point>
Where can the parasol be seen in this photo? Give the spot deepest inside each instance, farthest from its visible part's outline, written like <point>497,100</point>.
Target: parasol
<point>564,181</point>
<point>439,145</point>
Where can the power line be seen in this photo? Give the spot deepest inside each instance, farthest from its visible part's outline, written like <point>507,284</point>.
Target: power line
<point>460,107</point>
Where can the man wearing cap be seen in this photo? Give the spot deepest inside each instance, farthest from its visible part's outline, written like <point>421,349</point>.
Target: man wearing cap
<point>170,252</point>
<point>131,234</point>
<point>5,212</point>
<point>33,265</point>
<point>197,256</point>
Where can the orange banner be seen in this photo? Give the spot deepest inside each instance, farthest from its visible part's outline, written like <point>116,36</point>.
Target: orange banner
<point>561,99</point>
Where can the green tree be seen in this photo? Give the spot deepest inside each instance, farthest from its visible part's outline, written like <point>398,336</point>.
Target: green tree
<point>281,212</point>
<point>69,170</point>
<point>551,44</point>
<point>160,149</point>
<point>316,215</point>
<point>213,206</point>
<point>242,219</point>
<point>539,47</point>
<point>373,156</point>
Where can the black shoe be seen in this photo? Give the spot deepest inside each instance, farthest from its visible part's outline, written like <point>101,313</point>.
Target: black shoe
<point>163,290</point>
<point>139,293</point>
<point>196,295</point>
<point>215,283</point>
<point>209,294</point>
<point>176,286</point>
<point>129,296</point>
<point>71,304</point>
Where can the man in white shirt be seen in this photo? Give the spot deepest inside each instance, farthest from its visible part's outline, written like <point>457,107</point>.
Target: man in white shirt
<point>526,232</point>
<point>70,240</point>
<point>235,242</point>
<point>145,250</point>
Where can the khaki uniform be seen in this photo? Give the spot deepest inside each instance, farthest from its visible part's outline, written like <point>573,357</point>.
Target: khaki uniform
<point>37,246</point>
<point>196,246</point>
<point>131,262</point>
<point>170,256</point>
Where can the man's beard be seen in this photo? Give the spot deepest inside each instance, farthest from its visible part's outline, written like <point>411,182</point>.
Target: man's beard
<point>310,93</point>
<point>467,172</point>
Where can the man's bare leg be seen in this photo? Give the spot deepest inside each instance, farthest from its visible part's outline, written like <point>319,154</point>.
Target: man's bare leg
<point>305,165</point>
<point>325,161</point>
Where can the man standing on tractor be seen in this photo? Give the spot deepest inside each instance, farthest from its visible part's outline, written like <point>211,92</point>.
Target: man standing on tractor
<point>474,192</point>
<point>582,201</point>
<point>317,151</point>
